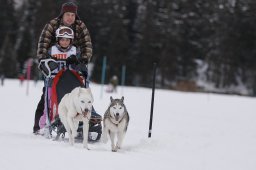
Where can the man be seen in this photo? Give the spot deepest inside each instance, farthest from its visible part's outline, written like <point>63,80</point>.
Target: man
<point>68,17</point>
<point>82,40</point>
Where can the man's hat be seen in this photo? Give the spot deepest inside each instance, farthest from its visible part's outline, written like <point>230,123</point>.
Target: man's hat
<point>69,7</point>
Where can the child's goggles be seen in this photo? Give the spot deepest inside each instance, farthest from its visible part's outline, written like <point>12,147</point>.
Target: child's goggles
<point>65,31</point>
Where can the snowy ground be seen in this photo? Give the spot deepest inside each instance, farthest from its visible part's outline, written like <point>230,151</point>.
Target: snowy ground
<point>191,131</point>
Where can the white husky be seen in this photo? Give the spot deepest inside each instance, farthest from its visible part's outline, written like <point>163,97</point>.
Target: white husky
<point>116,120</point>
<point>74,107</point>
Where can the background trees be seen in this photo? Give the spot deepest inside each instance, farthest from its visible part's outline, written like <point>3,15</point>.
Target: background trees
<point>8,27</point>
<point>210,41</point>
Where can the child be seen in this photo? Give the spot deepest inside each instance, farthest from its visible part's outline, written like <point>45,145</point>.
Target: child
<point>64,51</point>
<point>63,48</point>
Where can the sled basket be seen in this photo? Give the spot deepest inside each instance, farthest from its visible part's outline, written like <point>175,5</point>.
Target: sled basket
<point>64,82</point>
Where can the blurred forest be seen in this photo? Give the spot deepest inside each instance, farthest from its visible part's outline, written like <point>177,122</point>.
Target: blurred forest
<point>197,44</point>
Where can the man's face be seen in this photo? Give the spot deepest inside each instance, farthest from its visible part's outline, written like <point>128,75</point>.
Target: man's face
<point>69,18</point>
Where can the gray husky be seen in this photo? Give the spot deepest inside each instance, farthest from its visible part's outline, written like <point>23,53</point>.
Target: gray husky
<point>115,121</point>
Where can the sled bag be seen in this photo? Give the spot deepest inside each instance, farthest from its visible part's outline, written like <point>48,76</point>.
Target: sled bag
<point>64,82</point>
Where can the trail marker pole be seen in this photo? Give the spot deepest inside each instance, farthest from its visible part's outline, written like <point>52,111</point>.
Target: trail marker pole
<point>152,100</point>
<point>103,75</point>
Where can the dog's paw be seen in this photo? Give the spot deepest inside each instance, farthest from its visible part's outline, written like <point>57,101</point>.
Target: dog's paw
<point>86,147</point>
<point>114,150</point>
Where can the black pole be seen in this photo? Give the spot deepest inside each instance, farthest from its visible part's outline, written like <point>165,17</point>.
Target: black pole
<point>152,100</point>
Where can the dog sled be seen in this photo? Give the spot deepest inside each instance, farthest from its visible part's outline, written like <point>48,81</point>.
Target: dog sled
<point>57,84</point>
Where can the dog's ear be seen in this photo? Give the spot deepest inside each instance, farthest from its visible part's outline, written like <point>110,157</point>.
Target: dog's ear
<point>122,99</point>
<point>76,90</point>
<point>111,99</point>
<point>87,91</point>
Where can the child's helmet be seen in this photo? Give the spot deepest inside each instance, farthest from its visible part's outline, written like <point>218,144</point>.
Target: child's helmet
<point>64,32</point>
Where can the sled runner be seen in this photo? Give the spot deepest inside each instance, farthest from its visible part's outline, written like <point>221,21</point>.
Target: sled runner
<point>56,86</point>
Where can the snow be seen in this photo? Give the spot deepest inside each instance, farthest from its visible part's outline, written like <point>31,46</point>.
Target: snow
<point>191,131</point>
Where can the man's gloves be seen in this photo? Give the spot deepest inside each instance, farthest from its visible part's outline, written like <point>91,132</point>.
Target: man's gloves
<point>74,60</point>
<point>47,65</point>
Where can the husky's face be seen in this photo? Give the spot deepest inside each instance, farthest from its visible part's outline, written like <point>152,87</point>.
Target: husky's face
<point>85,101</point>
<point>117,109</point>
